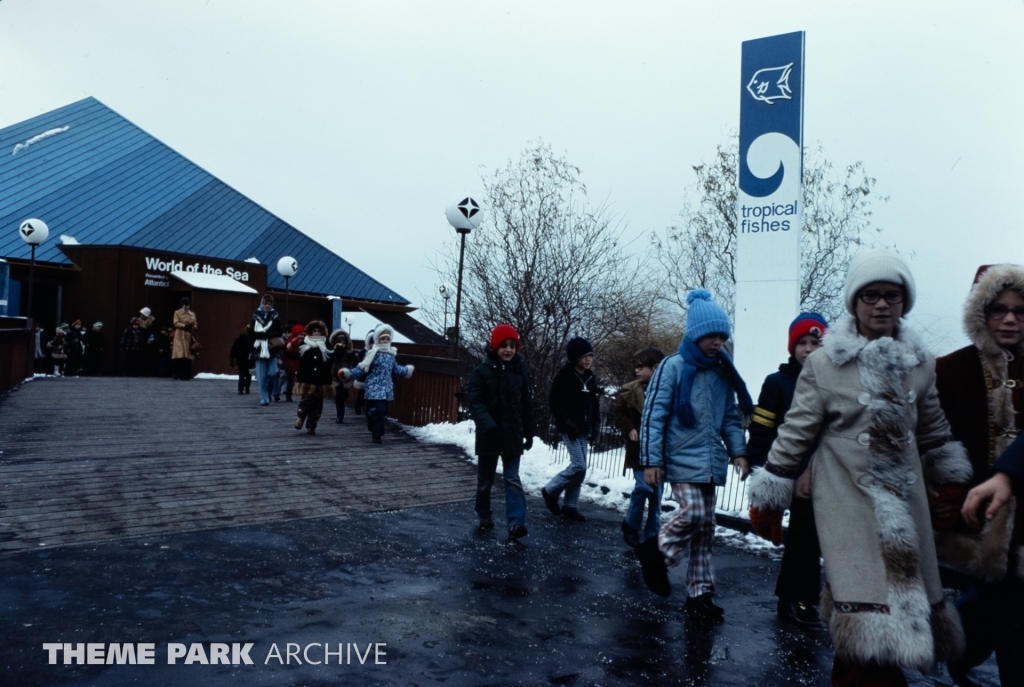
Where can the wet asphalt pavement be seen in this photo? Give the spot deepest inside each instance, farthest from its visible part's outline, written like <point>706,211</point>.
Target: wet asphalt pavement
<point>453,606</point>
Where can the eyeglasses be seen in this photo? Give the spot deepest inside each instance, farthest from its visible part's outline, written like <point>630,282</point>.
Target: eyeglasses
<point>999,312</point>
<point>871,297</point>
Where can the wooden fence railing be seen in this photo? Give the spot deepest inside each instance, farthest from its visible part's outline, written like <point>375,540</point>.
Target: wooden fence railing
<point>15,351</point>
<point>430,396</point>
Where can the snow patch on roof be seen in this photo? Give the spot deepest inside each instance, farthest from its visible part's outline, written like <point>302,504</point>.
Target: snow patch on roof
<point>68,240</point>
<point>252,260</point>
<point>36,139</point>
<point>214,282</point>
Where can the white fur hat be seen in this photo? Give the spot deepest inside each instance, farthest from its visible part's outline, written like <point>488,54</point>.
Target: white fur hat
<point>380,329</point>
<point>878,264</point>
<point>146,312</point>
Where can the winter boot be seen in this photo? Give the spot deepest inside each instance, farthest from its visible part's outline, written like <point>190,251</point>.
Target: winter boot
<point>516,532</point>
<point>653,567</point>
<point>573,514</point>
<point>551,501</point>
<point>299,422</point>
<point>798,613</point>
<point>704,607</point>
<point>630,535</point>
<point>486,524</point>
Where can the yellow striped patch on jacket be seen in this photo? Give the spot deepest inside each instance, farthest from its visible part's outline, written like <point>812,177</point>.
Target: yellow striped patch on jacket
<point>764,417</point>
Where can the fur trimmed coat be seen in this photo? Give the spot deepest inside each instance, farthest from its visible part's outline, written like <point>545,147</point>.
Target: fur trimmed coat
<point>981,389</point>
<point>873,409</point>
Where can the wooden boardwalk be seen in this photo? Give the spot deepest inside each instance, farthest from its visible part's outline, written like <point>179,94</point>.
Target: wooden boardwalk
<point>95,459</point>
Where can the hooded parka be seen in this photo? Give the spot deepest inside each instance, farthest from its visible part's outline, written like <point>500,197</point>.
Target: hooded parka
<point>873,408</point>
<point>501,403</point>
<point>981,389</point>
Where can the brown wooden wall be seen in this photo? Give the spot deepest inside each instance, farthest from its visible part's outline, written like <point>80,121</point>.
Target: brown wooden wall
<point>15,352</point>
<point>110,286</point>
<point>429,396</point>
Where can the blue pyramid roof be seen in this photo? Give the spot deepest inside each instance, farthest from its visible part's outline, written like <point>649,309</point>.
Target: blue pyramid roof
<point>90,173</point>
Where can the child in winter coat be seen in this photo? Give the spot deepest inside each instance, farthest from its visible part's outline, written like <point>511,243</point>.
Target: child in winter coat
<point>501,403</point>
<point>376,372</point>
<point>799,585</point>
<point>342,358</point>
<point>290,366</point>
<point>576,410</point>
<point>313,380</point>
<point>241,356</point>
<point>357,357</point>
<point>690,429</point>
<point>981,390</point>
<point>866,404</point>
<point>629,408</point>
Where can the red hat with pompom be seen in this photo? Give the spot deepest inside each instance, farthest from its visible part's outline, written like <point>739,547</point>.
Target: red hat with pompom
<point>503,332</point>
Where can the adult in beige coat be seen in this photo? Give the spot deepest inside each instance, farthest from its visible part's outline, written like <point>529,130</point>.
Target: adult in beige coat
<point>868,399</point>
<point>181,346</point>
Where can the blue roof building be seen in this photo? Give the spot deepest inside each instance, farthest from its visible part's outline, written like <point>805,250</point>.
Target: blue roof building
<point>129,223</point>
<point>91,174</point>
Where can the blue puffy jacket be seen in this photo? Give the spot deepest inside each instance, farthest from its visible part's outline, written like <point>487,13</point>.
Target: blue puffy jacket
<point>695,454</point>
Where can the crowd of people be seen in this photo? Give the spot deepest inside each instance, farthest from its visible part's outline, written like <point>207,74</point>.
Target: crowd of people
<point>314,363</point>
<point>72,350</point>
<point>898,471</point>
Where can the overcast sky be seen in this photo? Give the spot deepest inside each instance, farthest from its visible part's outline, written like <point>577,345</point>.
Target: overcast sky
<point>358,122</point>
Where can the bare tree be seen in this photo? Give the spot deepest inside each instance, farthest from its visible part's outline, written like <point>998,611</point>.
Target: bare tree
<point>700,251</point>
<point>546,262</point>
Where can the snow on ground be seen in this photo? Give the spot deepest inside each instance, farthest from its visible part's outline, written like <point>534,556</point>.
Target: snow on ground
<point>211,375</point>
<point>542,462</point>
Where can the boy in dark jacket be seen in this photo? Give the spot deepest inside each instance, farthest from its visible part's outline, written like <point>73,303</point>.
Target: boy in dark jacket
<point>576,411</point>
<point>240,354</point>
<point>799,585</point>
<point>629,408</point>
<point>501,404</point>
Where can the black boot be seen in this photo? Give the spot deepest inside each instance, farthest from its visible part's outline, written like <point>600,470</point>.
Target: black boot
<point>704,607</point>
<point>551,501</point>
<point>486,523</point>
<point>652,564</point>
<point>801,614</point>
<point>630,535</point>
<point>572,514</point>
<point>516,532</point>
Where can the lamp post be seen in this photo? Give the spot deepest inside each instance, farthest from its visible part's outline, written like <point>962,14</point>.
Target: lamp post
<point>33,232</point>
<point>348,321</point>
<point>464,216</point>
<point>287,267</point>
<point>446,294</point>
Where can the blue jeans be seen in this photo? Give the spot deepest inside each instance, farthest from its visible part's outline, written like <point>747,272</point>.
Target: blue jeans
<point>266,373</point>
<point>644,495</point>
<point>571,479</point>
<point>515,497</point>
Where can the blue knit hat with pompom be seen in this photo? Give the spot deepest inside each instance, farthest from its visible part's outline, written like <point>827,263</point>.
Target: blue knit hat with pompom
<point>704,316</point>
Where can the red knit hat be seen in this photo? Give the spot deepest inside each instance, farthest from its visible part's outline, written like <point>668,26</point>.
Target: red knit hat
<point>804,324</point>
<point>503,332</point>
<point>297,329</point>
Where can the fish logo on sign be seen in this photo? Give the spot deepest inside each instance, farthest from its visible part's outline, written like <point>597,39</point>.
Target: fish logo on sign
<point>771,84</point>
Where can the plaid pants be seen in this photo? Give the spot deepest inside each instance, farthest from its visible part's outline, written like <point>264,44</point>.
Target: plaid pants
<point>693,526</point>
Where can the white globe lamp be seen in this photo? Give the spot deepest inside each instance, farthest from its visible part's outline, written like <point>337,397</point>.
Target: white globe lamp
<point>33,232</point>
